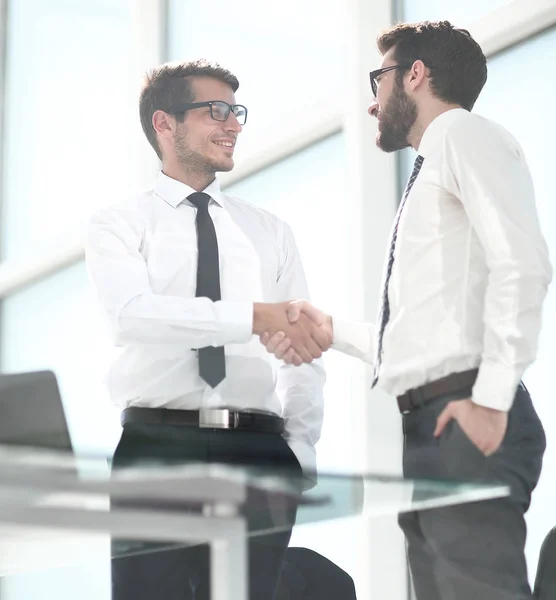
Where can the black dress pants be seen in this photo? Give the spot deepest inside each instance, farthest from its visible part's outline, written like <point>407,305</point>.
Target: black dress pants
<point>183,573</point>
<point>472,551</point>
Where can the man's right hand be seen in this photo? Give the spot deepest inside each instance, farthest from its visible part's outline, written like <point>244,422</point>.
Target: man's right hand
<point>282,345</point>
<point>283,321</point>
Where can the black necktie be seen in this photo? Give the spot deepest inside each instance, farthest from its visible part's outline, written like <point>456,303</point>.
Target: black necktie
<point>384,314</point>
<point>212,363</point>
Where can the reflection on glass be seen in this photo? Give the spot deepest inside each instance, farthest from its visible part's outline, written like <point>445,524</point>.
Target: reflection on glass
<point>42,479</point>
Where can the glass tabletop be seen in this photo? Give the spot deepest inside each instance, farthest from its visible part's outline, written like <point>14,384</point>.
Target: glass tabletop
<point>77,502</point>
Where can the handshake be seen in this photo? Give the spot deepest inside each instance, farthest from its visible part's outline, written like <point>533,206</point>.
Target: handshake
<point>295,332</point>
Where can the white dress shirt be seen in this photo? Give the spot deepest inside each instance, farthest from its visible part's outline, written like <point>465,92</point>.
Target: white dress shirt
<point>471,267</point>
<point>142,259</point>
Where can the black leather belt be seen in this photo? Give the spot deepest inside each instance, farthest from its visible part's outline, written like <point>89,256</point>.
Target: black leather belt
<point>417,397</point>
<point>211,418</point>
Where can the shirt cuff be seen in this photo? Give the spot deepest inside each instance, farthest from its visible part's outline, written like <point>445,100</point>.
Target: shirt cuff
<point>495,387</point>
<point>307,458</point>
<point>349,333</point>
<point>237,321</point>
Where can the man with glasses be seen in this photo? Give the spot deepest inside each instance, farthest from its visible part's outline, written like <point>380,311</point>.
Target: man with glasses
<point>465,279</point>
<point>188,276</point>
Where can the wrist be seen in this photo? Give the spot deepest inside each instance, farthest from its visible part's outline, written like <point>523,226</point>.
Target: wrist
<point>487,410</point>
<point>260,317</point>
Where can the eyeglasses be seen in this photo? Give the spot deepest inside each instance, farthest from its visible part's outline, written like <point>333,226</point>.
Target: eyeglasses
<point>219,110</point>
<point>374,74</point>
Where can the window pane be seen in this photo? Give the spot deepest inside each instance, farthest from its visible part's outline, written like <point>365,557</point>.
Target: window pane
<point>56,324</point>
<point>308,191</point>
<point>288,57</point>
<point>67,116</point>
<point>459,13</point>
<point>534,125</point>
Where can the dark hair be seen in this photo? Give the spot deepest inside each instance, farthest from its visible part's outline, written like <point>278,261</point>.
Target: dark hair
<point>457,65</point>
<point>168,86</point>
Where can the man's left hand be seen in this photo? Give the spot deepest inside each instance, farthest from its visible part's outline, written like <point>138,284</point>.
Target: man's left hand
<point>485,427</point>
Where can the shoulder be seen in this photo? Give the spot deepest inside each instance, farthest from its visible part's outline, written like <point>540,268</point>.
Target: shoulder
<point>132,212</point>
<point>473,131</point>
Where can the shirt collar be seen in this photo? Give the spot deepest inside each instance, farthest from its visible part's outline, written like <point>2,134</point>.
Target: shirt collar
<point>434,132</point>
<point>174,192</point>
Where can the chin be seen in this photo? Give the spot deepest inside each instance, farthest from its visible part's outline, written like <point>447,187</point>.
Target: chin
<point>224,167</point>
<point>387,145</point>
<point>380,144</point>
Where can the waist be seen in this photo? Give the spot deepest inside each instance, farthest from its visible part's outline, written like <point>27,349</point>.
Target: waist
<point>456,382</point>
<point>138,378</point>
<point>206,418</point>
<point>398,378</point>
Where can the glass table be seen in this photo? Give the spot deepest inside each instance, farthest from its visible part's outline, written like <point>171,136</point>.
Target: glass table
<point>55,507</point>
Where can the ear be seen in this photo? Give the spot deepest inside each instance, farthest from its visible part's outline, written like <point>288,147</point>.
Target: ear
<point>163,123</point>
<point>417,74</point>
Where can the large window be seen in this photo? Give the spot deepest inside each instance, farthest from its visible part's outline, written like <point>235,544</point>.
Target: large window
<point>460,14</point>
<point>67,117</point>
<point>308,191</point>
<point>288,56</point>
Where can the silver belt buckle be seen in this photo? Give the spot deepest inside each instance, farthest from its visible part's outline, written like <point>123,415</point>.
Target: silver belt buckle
<point>217,418</point>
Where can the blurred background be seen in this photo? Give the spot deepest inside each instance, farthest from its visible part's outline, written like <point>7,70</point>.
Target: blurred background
<point>70,142</point>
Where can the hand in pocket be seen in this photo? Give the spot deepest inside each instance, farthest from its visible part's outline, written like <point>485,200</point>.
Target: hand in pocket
<point>485,427</point>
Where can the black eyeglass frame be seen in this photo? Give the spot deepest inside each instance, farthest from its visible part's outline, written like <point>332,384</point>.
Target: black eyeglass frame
<point>377,72</point>
<point>211,103</point>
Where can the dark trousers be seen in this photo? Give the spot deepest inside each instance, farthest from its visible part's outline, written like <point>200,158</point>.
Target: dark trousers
<point>472,551</point>
<point>183,573</point>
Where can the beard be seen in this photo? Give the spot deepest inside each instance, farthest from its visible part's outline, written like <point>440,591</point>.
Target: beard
<point>396,120</point>
<point>194,161</point>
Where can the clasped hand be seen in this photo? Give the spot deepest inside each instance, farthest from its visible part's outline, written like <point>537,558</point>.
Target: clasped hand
<point>295,332</point>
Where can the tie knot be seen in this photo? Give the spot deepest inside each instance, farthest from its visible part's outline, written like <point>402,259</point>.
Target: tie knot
<point>199,199</point>
<point>418,162</point>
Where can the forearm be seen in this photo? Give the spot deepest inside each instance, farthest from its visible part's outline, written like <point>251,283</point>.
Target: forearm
<point>513,308</point>
<point>118,270</point>
<point>191,322</point>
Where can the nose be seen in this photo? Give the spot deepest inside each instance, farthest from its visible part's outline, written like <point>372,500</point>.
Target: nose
<point>232,124</point>
<point>373,108</point>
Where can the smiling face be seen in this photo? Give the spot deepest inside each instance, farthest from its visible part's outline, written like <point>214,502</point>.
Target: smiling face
<point>201,143</point>
<point>395,110</point>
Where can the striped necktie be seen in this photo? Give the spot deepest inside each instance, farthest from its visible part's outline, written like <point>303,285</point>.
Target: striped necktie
<point>384,314</point>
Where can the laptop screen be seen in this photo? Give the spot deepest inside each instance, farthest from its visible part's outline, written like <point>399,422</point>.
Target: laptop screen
<point>31,411</point>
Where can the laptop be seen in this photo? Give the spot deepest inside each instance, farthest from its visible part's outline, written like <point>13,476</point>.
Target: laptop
<point>31,411</point>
